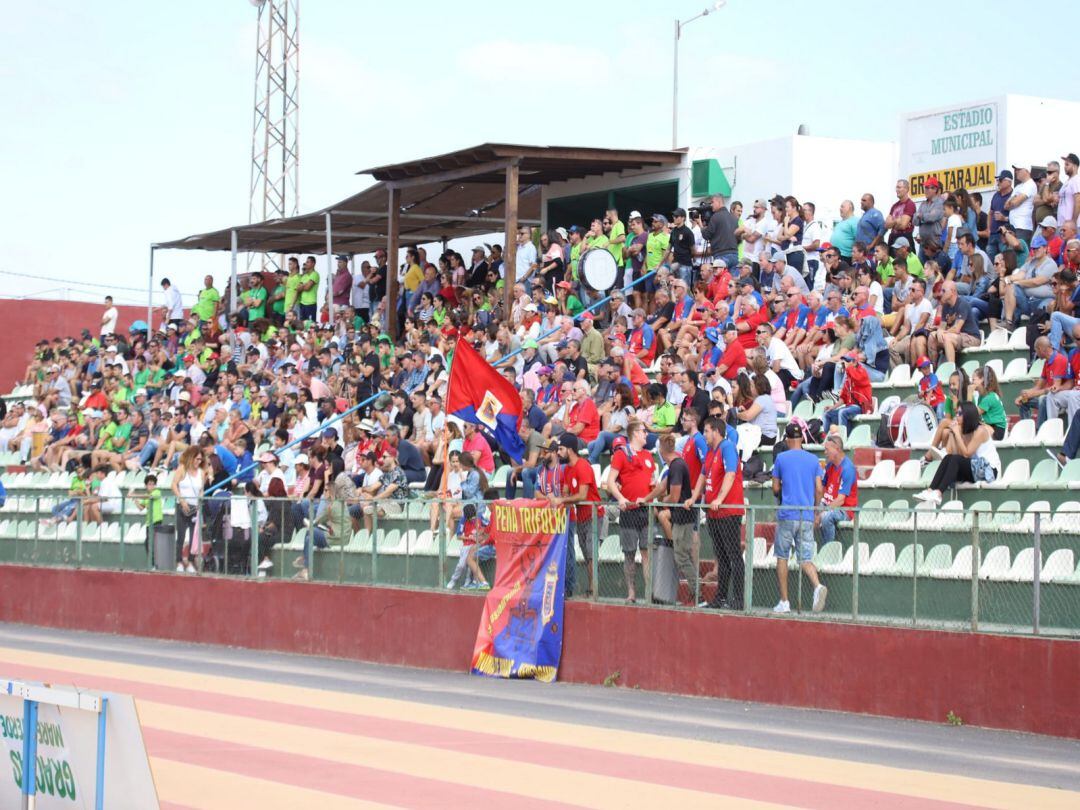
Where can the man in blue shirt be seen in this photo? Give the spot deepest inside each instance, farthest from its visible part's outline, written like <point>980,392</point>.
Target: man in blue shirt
<point>998,216</point>
<point>844,232</point>
<point>871,229</point>
<point>797,482</point>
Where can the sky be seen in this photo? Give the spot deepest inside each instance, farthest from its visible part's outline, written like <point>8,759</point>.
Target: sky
<point>129,122</point>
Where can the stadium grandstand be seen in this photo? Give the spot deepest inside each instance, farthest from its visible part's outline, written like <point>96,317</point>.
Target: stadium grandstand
<point>676,369</point>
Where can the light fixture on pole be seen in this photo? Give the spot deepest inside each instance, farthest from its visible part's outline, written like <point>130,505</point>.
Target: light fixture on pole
<point>719,4</point>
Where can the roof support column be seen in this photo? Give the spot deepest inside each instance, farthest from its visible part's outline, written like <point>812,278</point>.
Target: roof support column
<point>394,216</point>
<point>510,242</point>
<point>329,271</point>
<point>150,300</point>
<point>232,291</point>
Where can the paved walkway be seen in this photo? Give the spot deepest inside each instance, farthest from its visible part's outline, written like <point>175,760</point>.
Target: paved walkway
<point>237,729</point>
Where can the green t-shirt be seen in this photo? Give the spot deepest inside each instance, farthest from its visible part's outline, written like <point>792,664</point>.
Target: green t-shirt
<point>575,254</point>
<point>142,377</point>
<point>154,508</point>
<point>292,290</point>
<point>615,241</point>
<point>597,242</point>
<point>992,410</point>
<point>207,303</point>
<point>655,248</point>
<point>279,305</point>
<point>310,297</point>
<point>191,337</point>
<point>574,305</point>
<point>256,302</point>
<point>664,415</point>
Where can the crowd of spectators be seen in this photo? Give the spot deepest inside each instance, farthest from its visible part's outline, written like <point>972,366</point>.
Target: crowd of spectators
<point>735,317</point>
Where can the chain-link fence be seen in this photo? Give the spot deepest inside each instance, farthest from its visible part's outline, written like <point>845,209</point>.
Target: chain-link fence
<point>980,567</point>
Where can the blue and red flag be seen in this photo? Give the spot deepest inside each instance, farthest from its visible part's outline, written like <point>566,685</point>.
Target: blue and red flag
<point>479,394</point>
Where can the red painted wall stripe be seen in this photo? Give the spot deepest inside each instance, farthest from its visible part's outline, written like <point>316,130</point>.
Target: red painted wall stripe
<point>1012,682</point>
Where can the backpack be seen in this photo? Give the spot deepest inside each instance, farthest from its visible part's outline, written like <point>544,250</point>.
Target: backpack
<point>815,431</point>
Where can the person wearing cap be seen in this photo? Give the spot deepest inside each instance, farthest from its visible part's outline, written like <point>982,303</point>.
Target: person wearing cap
<point>797,483</point>
<point>998,216</point>
<point>1028,290</point>
<point>1021,203</point>
<point>637,241</point>
<point>680,253</point>
<point>656,247</point>
<point>733,359</point>
<point>930,215</point>
<point>1054,242</point>
<point>578,491</point>
<point>856,396</point>
<point>616,234</point>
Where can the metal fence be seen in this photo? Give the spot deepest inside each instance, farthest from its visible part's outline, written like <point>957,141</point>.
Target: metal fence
<point>1002,571</point>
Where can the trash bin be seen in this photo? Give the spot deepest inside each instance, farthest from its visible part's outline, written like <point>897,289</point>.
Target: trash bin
<point>164,549</point>
<point>665,579</point>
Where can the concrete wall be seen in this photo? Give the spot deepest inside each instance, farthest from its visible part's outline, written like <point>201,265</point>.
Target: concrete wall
<point>27,321</point>
<point>1027,684</point>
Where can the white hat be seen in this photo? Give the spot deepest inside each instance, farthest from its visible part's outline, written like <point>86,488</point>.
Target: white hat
<point>140,392</point>
<point>635,215</point>
<point>111,349</point>
<point>184,396</point>
<point>561,231</point>
<point>531,308</point>
<point>301,459</point>
<point>1048,222</point>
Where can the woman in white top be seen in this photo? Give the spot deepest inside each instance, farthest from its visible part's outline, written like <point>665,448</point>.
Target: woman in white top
<point>187,486</point>
<point>972,456</point>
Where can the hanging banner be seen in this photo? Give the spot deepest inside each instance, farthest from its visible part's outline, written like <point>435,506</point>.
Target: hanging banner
<point>520,633</point>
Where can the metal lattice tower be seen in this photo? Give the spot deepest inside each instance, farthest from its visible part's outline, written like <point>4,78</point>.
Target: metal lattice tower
<point>275,142</point>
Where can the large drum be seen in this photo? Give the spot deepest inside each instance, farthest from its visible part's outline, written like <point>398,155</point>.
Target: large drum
<point>599,270</point>
<point>911,423</point>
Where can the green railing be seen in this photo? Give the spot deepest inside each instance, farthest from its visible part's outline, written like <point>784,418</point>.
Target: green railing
<point>960,568</point>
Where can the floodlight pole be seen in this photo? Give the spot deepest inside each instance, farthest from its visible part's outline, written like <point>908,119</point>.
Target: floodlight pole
<point>679,26</point>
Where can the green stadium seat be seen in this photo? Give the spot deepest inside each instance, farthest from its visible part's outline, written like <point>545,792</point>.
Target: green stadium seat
<point>1022,568</point>
<point>500,476</point>
<point>995,563</point>
<point>1016,370</point>
<point>1018,340</point>
<point>829,554</point>
<point>1045,473</point>
<point>882,559</point>
<point>1051,433</point>
<point>860,437</point>
<point>938,559</point>
<point>1060,564</point>
<point>960,568</point>
<point>882,475</point>
<point>1069,477</point>
<point>909,560</point>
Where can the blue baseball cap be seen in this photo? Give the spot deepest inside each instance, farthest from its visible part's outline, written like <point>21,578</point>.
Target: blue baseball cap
<point>712,334</point>
<point>1039,241</point>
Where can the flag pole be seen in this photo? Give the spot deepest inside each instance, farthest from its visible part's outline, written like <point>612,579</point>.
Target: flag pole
<point>443,486</point>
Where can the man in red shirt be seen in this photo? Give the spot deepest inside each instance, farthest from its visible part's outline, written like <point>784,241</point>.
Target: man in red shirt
<point>721,481</point>
<point>733,360</point>
<point>580,492</point>
<point>630,481</point>
<point>747,323</point>
<point>898,222</point>
<point>1055,373</point>
<point>717,281</point>
<point>584,419</point>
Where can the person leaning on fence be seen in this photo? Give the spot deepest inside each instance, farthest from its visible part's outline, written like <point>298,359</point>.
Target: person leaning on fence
<point>797,483</point>
<point>841,488</point>
<point>678,523</point>
<point>630,481</point>
<point>722,484</point>
<point>579,493</point>
<point>971,456</point>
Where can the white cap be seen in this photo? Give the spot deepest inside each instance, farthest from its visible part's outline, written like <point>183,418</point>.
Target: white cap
<point>561,231</point>
<point>1048,222</point>
<point>635,215</point>
<point>301,458</point>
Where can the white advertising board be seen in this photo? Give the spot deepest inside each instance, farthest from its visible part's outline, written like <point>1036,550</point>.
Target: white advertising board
<point>67,739</point>
<point>960,146</point>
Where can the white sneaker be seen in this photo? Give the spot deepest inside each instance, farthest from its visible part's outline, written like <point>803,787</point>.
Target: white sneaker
<point>262,575</point>
<point>820,592</point>
<point>179,568</point>
<point>266,565</point>
<point>189,568</point>
<point>928,496</point>
<point>782,607</point>
<point>936,452</point>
